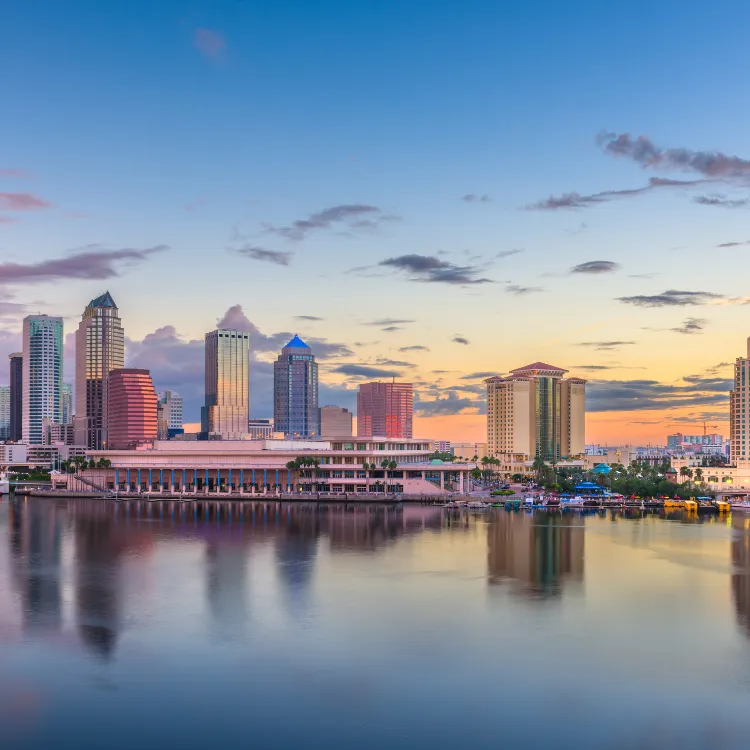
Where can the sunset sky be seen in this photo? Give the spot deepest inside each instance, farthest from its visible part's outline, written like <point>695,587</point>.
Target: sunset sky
<point>433,191</point>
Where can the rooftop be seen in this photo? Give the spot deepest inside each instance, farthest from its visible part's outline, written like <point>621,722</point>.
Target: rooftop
<point>539,366</point>
<point>296,343</point>
<point>105,300</point>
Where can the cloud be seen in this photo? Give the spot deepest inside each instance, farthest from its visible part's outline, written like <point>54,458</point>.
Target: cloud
<point>478,375</point>
<point>606,346</point>
<point>354,216</point>
<point>721,201</point>
<point>89,263</point>
<point>519,290</point>
<point>416,348</point>
<point>21,202</point>
<point>733,244</point>
<point>393,362</point>
<point>268,256</point>
<point>366,371</point>
<point>210,44</point>
<point>596,267</point>
<point>593,368</point>
<point>391,329</point>
<point>313,318</point>
<point>576,200</point>
<point>460,340</point>
<point>447,406</point>
<point>691,326</point>
<point>473,198</point>
<point>507,253</point>
<point>642,395</point>
<point>8,220</point>
<point>388,322</point>
<point>15,173</point>
<point>428,268</point>
<point>671,298</point>
<point>643,151</point>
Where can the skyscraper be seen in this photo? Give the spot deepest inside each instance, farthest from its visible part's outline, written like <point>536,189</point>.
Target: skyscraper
<point>385,410</point>
<point>67,404</point>
<point>42,375</point>
<point>4,412</point>
<point>536,412</point>
<point>100,348</point>
<point>171,403</point>
<point>295,391</point>
<point>227,405</point>
<point>739,409</point>
<point>16,396</point>
<point>131,410</point>
<point>335,421</point>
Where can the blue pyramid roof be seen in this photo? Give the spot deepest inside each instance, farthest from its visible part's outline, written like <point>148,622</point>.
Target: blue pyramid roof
<point>104,301</point>
<point>296,343</point>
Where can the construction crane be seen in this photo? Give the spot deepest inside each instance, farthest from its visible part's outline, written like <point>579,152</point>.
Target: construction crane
<point>712,426</point>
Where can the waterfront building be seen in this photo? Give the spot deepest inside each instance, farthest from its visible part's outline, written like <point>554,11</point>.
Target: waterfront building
<point>16,396</point>
<point>335,421</point>
<point>295,391</point>
<point>100,348</point>
<point>385,409</point>
<point>171,403</point>
<point>4,412</point>
<point>67,404</point>
<point>260,429</point>
<point>227,392</point>
<point>42,374</point>
<point>131,409</point>
<point>739,409</point>
<point>536,412</point>
<point>442,446</point>
<point>262,466</point>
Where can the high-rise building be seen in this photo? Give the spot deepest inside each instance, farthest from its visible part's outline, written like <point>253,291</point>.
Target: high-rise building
<point>42,375</point>
<point>260,429</point>
<point>132,408</point>
<point>227,404</point>
<point>4,412</point>
<point>536,412</point>
<point>385,410</point>
<point>739,409</point>
<point>335,421</point>
<point>16,396</point>
<point>171,402</point>
<point>100,348</point>
<point>295,391</point>
<point>67,403</point>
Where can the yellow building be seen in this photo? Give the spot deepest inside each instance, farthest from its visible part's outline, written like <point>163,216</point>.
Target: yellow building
<point>536,412</point>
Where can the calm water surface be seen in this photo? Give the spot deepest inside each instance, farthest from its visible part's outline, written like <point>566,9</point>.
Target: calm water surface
<point>201,627</point>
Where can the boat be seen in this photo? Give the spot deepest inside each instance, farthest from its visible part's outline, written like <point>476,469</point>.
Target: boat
<point>722,506</point>
<point>477,505</point>
<point>740,504</point>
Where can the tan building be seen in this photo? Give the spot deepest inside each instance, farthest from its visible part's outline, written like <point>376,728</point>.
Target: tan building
<point>467,451</point>
<point>335,421</point>
<point>536,411</point>
<point>739,410</point>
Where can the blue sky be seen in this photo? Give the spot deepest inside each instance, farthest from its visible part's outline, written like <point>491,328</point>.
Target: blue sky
<point>210,127</point>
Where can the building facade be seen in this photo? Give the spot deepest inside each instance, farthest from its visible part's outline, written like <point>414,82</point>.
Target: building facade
<point>131,409</point>
<point>467,451</point>
<point>335,421</point>
<point>739,410</point>
<point>171,402</point>
<point>260,429</point>
<point>385,409</point>
<point>67,404</point>
<point>227,404</point>
<point>16,396</point>
<point>100,348</point>
<point>42,375</point>
<point>295,391</point>
<point>536,412</point>
<point>4,412</point>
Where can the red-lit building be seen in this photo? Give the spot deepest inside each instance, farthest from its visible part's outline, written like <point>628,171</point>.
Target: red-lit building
<point>385,410</point>
<point>132,409</point>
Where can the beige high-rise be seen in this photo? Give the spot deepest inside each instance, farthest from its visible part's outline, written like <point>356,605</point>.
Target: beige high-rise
<point>536,411</point>
<point>335,421</point>
<point>739,410</point>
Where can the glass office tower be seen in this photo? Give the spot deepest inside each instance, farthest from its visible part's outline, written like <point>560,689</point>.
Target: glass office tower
<point>295,391</point>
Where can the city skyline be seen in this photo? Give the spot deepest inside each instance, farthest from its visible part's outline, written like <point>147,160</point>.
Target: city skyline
<point>519,184</point>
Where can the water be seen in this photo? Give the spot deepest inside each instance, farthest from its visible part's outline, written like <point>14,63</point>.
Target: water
<point>162,625</point>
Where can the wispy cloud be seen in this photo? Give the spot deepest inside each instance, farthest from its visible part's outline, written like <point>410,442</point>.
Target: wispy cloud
<point>389,322</point>
<point>606,346</point>
<point>428,268</point>
<point>267,256</point>
<point>210,44</point>
<point>691,326</point>
<point>449,405</point>
<point>643,395</point>
<point>521,290</point>
<point>312,318</point>
<point>353,216</point>
<point>473,198</point>
<point>721,201</point>
<point>671,298</point>
<point>711,164</point>
<point>415,348</point>
<point>366,371</point>
<point>89,263</point>
<point>460,340</point>
<point>21,202</point>
<point>733,244</point>
<point>596,267</point>
<point>478,375</point>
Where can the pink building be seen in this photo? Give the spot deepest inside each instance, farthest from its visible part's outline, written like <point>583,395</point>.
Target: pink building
<point>385,410</point>
<point>132,409</point>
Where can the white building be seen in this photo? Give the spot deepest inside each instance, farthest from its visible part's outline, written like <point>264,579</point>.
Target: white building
<point>4,412</point>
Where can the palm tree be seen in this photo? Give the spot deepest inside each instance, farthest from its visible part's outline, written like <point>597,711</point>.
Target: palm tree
<point>539,466</point>
<point>292,466</point>
<point>686,472</point>
<point>699,476</point>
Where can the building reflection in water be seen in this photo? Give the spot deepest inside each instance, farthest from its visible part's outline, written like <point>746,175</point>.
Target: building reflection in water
<point>34,535</point>
<point>536,554</point>
<point>226,571</point>
<point>740,551</point>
